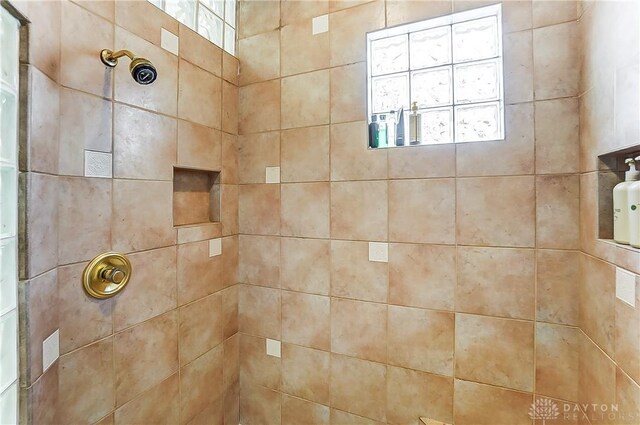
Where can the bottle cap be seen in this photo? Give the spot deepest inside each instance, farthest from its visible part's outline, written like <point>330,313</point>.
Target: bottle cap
<point>632,174</point>
<point>414,107</point>
<point>374,118</point>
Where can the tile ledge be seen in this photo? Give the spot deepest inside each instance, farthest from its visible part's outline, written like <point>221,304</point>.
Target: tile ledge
<point>619,245</point>
<point>428,421</point>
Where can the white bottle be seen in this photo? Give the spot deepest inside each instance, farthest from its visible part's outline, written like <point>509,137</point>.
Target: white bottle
<point>621,204</point>
<point>633,203</point>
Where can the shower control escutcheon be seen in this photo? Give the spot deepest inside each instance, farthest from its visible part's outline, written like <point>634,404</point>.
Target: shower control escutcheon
<point>106,275</point>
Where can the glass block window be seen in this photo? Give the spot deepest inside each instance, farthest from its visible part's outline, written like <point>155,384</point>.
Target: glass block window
<point>213,19</point>
<point>449,67</point>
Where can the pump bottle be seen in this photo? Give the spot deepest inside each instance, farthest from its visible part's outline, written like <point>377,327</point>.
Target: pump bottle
<point>633,205</point>
<point>621,203</point>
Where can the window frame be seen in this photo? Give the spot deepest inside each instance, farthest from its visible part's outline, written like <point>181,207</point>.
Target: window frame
<point>429,24</point>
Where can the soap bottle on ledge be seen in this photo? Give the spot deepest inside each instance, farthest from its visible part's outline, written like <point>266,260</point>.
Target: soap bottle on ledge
<point>621,203</point>
<point>415,125</point>
<point>633,203</point>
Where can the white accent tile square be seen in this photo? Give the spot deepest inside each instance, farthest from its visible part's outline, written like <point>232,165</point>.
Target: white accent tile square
<point>98,164</point>
<point>273,347</point>
<point>320,24</point>
<point>169,41</point>
<point>50,349</point>
<point>215,247</point>
<point>626,286</point>
<point>272,175</point>
<point>379,252</point>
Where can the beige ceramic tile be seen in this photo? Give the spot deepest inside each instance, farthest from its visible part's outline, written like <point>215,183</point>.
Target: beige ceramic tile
<point>402,12</point>
<point>259,405</point>
<point>229,209</point>
<point>200,327</point>
<point>479,404</point>
<point>229,108</point>
<point>305,209</point>
<point>627,398</point>
<point>42,398</point>
<point>42,125</point>
<point>305,265</point>
<point>496,211</point>
<point>196,391</point>
<point>305,100</point>
<point>128,15</point>
<point>301,50</point>
<point>358,386</point>
<point>426,218</point>
<point>627,335</point>
<point>198,274</point>
<point>553,12</point>
<point>350,157</point>
<point>558,212</point>
<point>354,276</point>
<point>255,153</point>
<point>348,93</point>
<point>557,286</point>
<point>305,372</point>
<point>259,260</point>
<point>422,275</point>
<point>306,320</point>
<point>260,311</point>
<point>348,29</point>
<point>230,68</point>
<point>85,123</point>
<point>145,355</point>
<point>255,17</point>
<point>495,351</point>
<point>292,11</point>
<point>496,282</point>
<point>40,321</point>
<point>557,141</point>
<point>359,210</point>
<point>40,213</point>
<point>359,329</point>
<point>259,107</point>
<point>151,290</point>
<point>229,173</point>
<point>231,361</point>
<point>83,232</point>
<point>256,366</point>
<point>557,350</point>
<point>229,311</point>
<point>82,37</point>
<point>296,411</point>
<point>161,96</point>
<point>199,103</point>
<point>253,201</point>
<point>230,259</point>
<point>597,377</point>
<point>142,219</point>
<point>339,417</point>
<point>421,339</point>
<point>158,405</point>
<point>73,302</point>
<point>597,302</point>
<point>556,61</point>
<point>304,154</point>
<point>144,144</point>
<point>422,161</point>
<point>259,57</point>
<point>518,66</point>
<point>45,35</point>
<point>516,151</point>
<point>86,383</point>
<point>200,51</point>
<point>412,394</point>
<point>199,146</point>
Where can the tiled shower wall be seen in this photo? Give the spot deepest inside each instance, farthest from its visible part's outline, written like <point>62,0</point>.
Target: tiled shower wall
<point>609,111</point>
<point>475,312</point>
<point>165,350</point>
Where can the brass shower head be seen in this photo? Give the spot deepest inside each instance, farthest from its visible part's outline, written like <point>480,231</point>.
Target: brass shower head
<point>141,69</point>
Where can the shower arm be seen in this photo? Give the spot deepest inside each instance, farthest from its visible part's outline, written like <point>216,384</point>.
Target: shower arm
<point>110,58</point>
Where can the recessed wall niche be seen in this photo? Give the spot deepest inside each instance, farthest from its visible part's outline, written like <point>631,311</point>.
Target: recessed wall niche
<point>196,196</point>
<point>611,172</point>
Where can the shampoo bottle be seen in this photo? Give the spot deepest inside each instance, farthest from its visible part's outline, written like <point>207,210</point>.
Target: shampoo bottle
<point>633,202</point>
<point>373,132</point>
<point>621,203</point>
<point>382,131</point>
<point>415,125</point>
<point>400,128</point>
